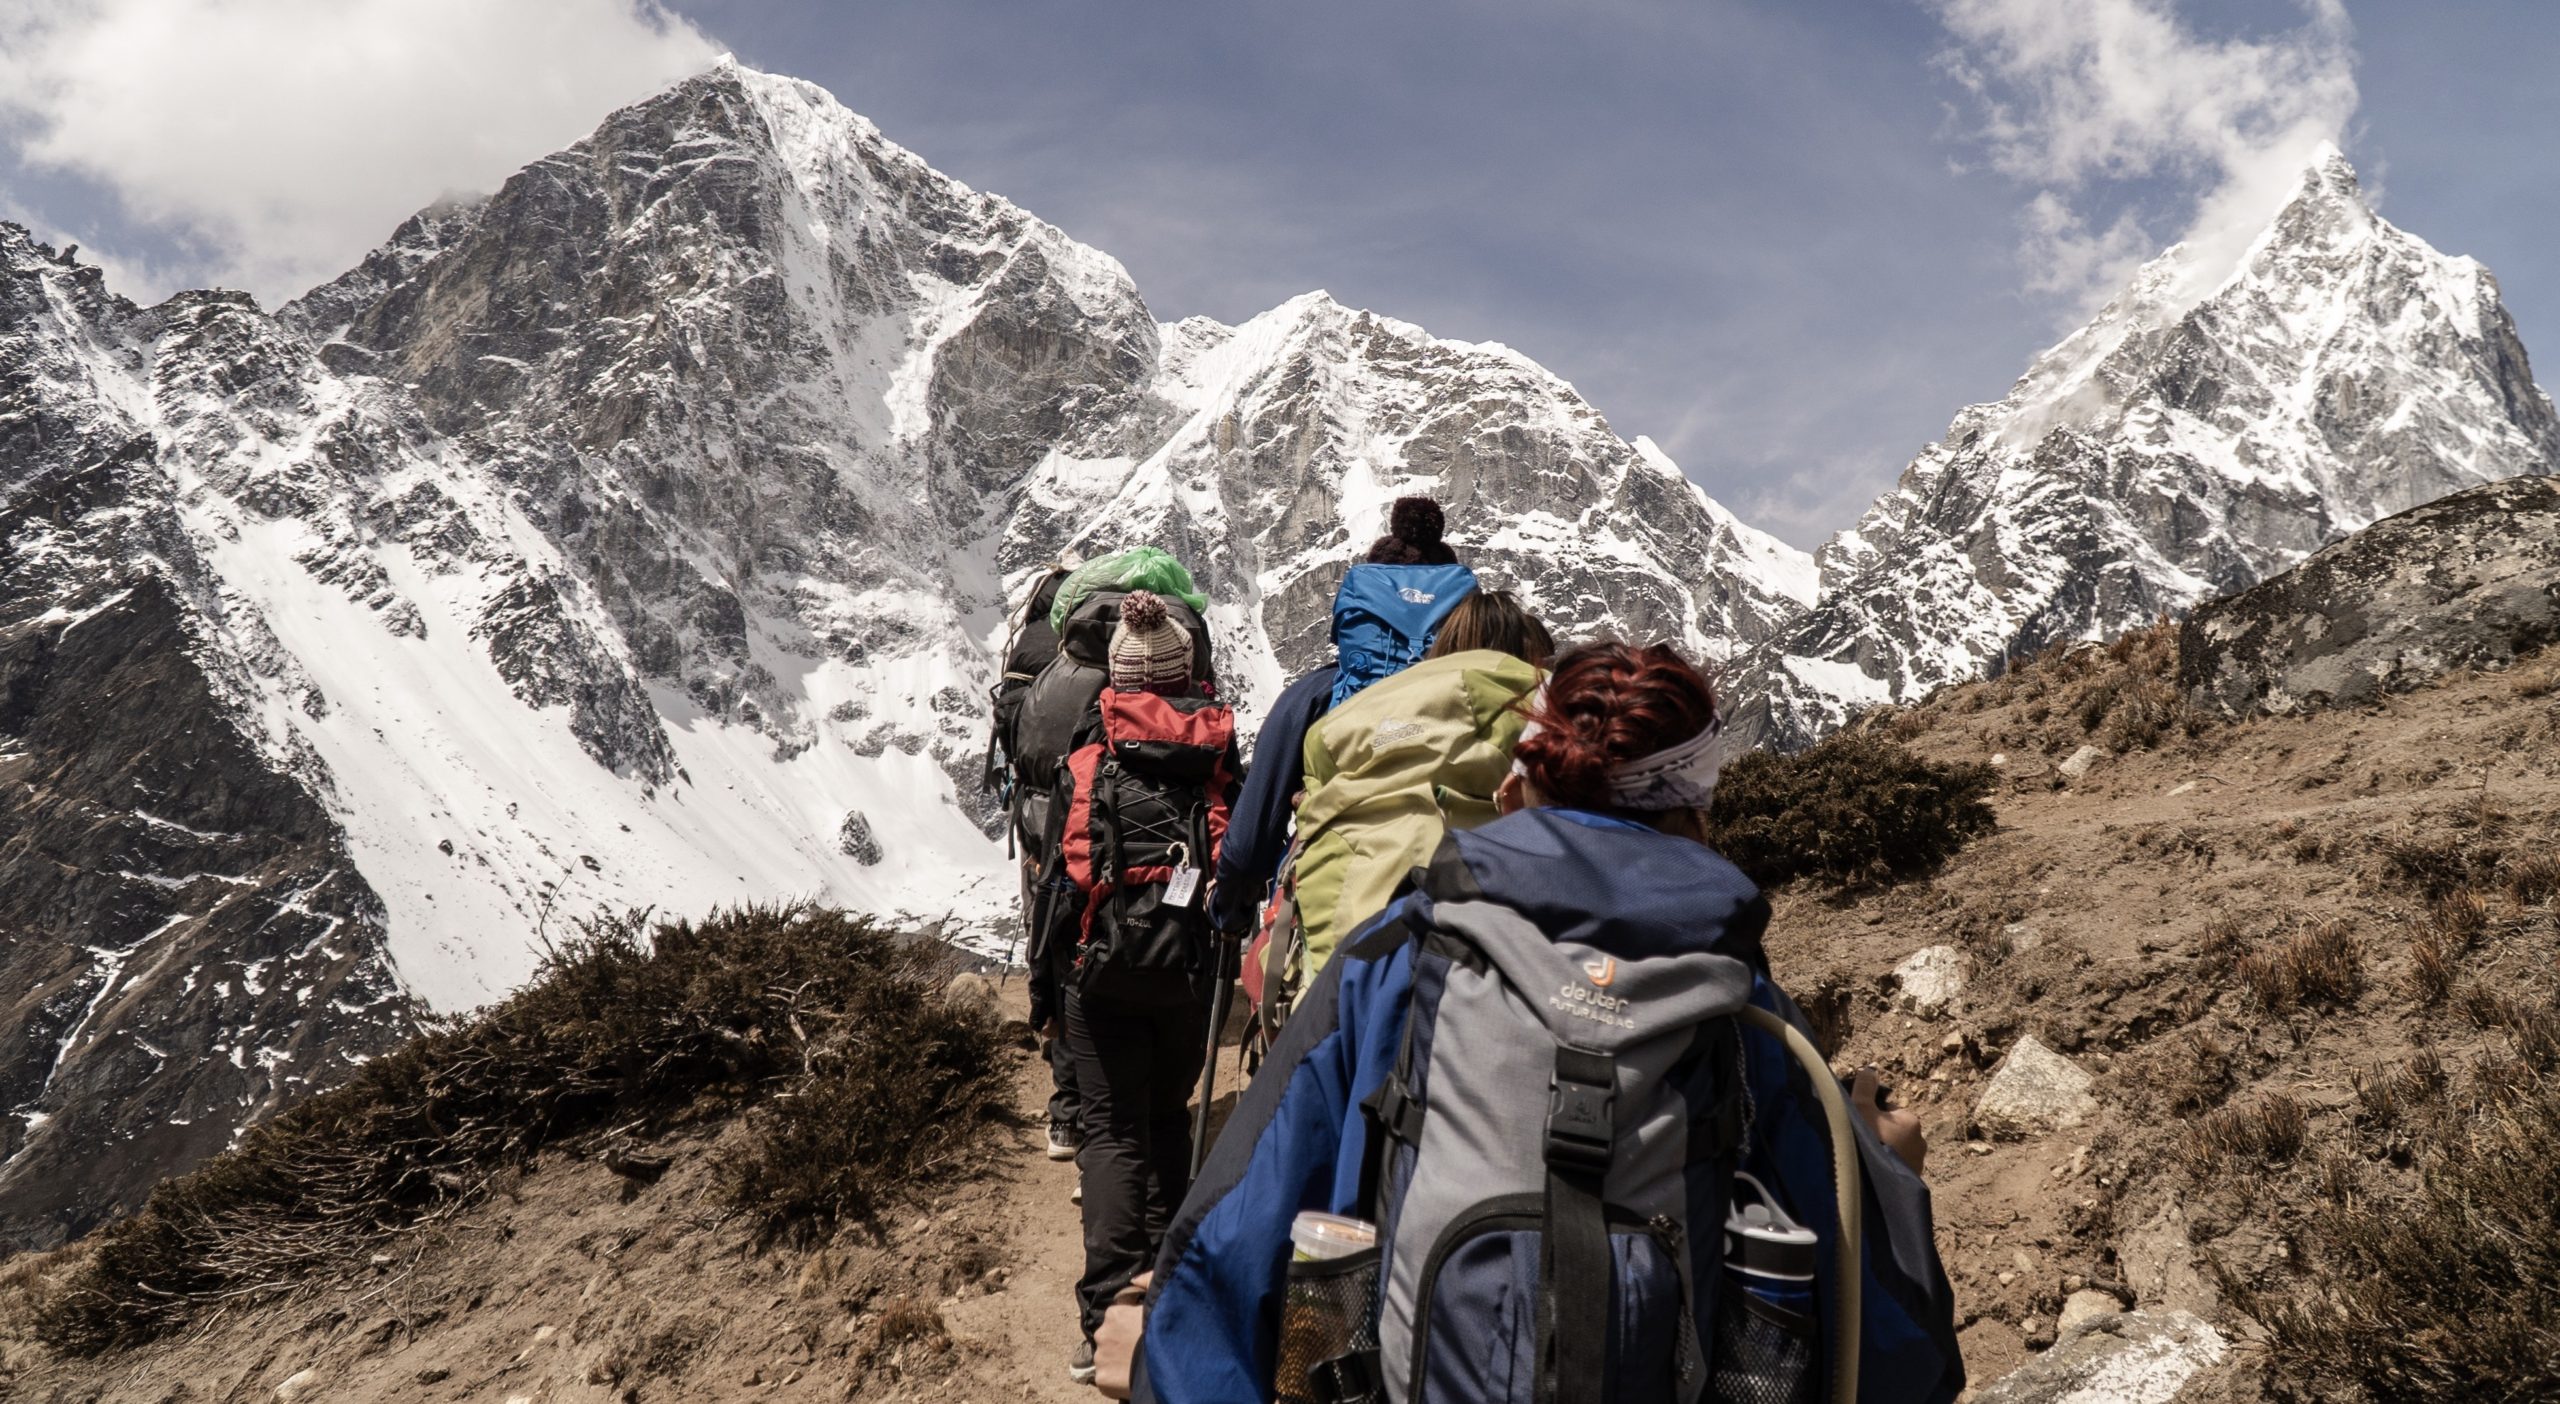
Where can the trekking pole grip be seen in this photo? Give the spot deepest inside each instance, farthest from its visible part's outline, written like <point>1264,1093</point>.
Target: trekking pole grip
<point>1845,1180</point>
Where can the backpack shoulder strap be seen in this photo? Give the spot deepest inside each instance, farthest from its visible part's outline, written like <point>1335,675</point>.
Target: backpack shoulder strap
<point>1575,1271</point>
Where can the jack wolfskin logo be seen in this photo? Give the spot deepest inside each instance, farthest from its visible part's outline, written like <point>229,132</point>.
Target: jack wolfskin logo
<point>1602,972</point>
<point>1414,596</point>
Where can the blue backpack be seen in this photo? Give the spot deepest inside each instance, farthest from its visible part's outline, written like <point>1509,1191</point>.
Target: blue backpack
<point>1384,617</point>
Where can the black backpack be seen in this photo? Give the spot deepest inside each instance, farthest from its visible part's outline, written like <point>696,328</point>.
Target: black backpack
<point>1055,705</point>
<point>1146,799</point>
<point>1027,650</point>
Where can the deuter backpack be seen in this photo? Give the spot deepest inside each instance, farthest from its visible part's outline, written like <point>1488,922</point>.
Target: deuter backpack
<point>1146,807</point>
<point>1552,1165</point>
<point>1384,617</point>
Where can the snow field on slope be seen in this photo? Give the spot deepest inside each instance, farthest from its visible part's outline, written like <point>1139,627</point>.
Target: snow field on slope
<point>425,744</point>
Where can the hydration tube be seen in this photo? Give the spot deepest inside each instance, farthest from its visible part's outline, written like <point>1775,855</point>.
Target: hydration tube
<point>1847,1182</point>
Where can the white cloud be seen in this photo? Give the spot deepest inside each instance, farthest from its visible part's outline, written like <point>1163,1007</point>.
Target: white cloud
<point>2074,95</point>
<point>275,141</point>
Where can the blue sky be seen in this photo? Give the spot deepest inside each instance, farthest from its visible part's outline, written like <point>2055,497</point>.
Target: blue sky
<point>1786,238</point>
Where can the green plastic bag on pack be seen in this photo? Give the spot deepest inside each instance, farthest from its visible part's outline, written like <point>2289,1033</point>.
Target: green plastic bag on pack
<point>1138,568</point>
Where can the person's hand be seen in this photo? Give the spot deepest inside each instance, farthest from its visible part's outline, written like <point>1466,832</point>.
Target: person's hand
<point>1897,1127</point>
<point>1115,1346</point>
<point>1049,1029</point>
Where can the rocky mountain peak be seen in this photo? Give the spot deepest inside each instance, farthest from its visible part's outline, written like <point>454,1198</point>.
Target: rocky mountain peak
<point>2179,446</point>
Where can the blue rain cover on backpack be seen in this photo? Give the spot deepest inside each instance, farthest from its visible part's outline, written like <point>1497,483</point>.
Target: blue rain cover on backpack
<point>1384,617</point>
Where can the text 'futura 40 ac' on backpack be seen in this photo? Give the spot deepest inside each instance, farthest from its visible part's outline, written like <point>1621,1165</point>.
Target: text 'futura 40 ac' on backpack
<point>1603,1160</point>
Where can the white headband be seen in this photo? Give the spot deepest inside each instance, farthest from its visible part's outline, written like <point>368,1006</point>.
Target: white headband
<point>1681,776</point>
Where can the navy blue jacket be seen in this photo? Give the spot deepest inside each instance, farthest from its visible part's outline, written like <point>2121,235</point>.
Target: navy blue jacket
<point>1258,827</point>
<point>1298,1137</point>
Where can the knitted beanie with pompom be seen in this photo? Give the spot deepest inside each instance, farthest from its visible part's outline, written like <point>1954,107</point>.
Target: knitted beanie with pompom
<point>1148,650</point>
<point>1414,526</point>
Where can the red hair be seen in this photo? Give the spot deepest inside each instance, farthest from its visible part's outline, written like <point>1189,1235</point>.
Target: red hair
<point>1607,704</point>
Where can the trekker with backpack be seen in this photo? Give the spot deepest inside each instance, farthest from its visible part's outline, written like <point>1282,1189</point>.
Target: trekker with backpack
<point>1385,614</point>
<point>1055,666</point>
<point>1386,774</point>
<point>1135,819</point>
<point>1546,1130</point>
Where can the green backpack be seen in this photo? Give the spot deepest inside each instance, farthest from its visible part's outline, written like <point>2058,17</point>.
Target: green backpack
<point>1390,770</point>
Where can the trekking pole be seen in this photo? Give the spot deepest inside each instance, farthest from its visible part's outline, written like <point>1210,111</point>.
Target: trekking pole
<point>1221,999</point>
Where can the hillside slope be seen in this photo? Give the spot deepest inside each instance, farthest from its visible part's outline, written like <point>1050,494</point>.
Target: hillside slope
<point>2243,936</point>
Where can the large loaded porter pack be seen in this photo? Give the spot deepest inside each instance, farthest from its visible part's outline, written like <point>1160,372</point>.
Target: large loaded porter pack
<point>1602,1157</point>
<point>1084,609</point>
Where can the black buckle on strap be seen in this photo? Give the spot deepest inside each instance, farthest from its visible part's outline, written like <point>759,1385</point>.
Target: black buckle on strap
<point>1582,1122</point>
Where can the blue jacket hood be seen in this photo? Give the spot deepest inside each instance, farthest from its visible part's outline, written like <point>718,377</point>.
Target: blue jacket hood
<point>1606,883</point>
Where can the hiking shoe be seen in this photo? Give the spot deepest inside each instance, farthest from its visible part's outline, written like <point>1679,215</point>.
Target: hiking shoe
<point>1062,1141</point>
<point>1080,1364</point>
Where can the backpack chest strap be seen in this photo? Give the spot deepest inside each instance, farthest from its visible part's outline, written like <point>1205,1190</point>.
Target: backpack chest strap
<point>1575,1269</point>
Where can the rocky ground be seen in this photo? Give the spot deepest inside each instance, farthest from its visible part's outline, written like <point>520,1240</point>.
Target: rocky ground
<point>2174,941</point>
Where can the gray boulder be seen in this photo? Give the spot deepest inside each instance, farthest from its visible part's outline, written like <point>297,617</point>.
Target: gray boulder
<point>2467,581</point>
<point>2136,1357</point>
<point>2033,1091</point>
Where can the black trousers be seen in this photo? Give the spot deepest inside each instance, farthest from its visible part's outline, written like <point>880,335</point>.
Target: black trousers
<point>1066,1111</point>
<point>1137,1057</point>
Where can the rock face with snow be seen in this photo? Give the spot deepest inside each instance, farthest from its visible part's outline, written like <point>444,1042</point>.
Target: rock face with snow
<point>637,535</point>
<point>2469,581</point>
<point>2207,430</point>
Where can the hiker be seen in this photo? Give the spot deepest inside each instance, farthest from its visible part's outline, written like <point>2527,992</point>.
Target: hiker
<point>1029,647</point>
<point>1054,668</point>
<point>1386,773</point>
<point>1597,1134</point>
<point>1135,819</point>
<point>1385,613</point>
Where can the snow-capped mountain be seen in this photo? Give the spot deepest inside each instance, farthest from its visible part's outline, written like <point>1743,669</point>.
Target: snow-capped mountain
<point>638,535</point>
<point>2175,449</point>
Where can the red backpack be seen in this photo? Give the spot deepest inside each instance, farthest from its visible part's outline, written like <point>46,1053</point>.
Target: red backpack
<point>1146,812</point>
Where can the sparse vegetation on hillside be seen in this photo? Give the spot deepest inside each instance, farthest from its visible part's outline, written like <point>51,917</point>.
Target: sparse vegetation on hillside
<point>830,1034</point>
<point>1856,807</point>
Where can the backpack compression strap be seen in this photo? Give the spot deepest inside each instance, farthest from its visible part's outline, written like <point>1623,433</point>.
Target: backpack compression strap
<point>1576,1271</point>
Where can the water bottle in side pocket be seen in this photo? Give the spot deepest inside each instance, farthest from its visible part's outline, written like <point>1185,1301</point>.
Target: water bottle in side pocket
<point>1765,1329</point>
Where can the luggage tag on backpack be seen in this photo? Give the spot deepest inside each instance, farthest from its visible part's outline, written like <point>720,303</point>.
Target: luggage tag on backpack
<point>1184,885</point>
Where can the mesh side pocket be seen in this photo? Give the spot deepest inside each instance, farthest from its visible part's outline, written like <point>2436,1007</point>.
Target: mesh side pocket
<point>1764,1354</point>
<point>1329,1332</point>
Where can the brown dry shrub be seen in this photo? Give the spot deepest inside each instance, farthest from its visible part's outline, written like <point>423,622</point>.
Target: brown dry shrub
<point>810,1011</point>
<point>2224,942</point>
<point>2445,1294</point>
<point>2320,964</point>
<point>1855,807</point>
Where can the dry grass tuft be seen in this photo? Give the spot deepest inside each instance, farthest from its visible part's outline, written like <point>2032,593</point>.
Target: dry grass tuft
<point>2269,1129</point>
<point>2319,965</point>
<point>2446,1294</point>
